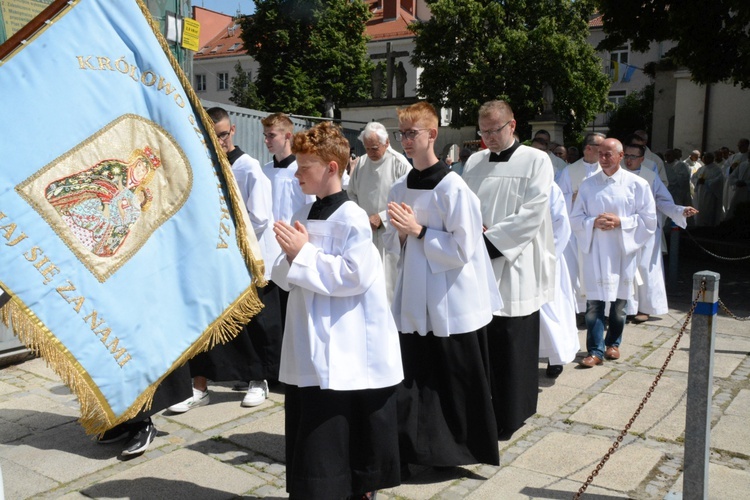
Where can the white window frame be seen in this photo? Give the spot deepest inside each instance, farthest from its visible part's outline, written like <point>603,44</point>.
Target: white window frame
<point>222,81</point>
<point>200,82</point>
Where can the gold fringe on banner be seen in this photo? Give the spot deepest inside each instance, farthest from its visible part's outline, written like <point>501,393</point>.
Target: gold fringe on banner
<point>96,415</point>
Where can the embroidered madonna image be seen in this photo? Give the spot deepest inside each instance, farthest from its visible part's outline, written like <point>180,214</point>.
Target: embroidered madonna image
<point>102,203</point>
<point>105,197</point>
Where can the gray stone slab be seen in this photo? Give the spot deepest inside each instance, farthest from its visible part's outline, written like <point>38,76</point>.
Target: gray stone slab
<point>551,400</point>
<point>582,378</point>
<point>180,474</point>
<point>425,483</point>
<point>727,325</point>
<point>64,453</point>
<point>39,367</point>
<point>6,389</point>
<point>724,483</point>
<point>20,482</point>
<point>514,483</point>
<point>624,471</point>
<point>614,407</point>
<point>37,413</point>
<point>732,433</point>
<point>10,431</point>
<point>264,436</point>
<point>724,364</point>
<point>740,405</point>
<point>224,407</point>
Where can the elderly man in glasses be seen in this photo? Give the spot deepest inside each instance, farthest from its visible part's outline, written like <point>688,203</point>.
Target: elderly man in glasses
<point>513,183</point>
<point>371,181</point>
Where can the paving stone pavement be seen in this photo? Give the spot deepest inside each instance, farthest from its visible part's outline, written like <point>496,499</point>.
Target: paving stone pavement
<point>224,451</point>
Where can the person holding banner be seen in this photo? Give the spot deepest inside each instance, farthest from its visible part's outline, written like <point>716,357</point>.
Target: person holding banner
<point>254,354</point>
<point>340,356</point>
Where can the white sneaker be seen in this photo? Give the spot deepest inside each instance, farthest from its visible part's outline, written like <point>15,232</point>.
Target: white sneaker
<point>199,398</point>
<point>257,393</point>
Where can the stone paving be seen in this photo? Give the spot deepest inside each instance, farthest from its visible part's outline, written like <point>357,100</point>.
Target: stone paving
<point>224,451</point>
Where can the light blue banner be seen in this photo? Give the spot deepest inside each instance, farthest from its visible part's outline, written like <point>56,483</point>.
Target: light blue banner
<point>117,239</point>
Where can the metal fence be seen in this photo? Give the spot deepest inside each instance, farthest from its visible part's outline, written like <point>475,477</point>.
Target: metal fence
<point>249,134</point>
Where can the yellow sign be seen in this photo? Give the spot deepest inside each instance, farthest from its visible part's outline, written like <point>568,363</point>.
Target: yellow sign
<point>191,30</point>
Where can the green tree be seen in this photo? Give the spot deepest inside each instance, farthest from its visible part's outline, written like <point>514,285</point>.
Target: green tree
<point>634,113</point>
<point>244,91</point>
<point>311,53</point>
<point>712,38</point>
<point>476,50</point>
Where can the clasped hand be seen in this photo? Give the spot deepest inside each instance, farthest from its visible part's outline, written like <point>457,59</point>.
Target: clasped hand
<point>402,218</point>
<point>291,238</point>
<point>607,221</point>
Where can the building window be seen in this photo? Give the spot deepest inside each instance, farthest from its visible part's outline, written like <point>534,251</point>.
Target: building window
<point>618,63</point>
<point>616,97</point>
<point>200,83</point>
<point>223,82</point>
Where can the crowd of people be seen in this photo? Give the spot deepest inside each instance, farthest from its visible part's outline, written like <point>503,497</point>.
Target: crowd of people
<point>409,302</point>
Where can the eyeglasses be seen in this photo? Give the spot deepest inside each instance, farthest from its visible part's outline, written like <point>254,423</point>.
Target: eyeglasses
<point>409,134</point>
<point>632,157</point>
<point>223,136</point>
<point>490,133</point>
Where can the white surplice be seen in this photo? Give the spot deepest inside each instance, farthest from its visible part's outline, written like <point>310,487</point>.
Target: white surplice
<point>709,195</point>
<point>558,334</point>
<point>650,294</point>
<point>286,191</point>
<point>369,186</point>
<point>515,210</point>
<point>255,189</point>
<point>445,283</point>
<point>610,256</point>
<point>339,332</point>
<point>569,181</point>
<point>738,182</point>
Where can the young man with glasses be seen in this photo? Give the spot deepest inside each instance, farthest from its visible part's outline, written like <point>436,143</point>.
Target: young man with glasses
<point>513,183</point>
<point>613,216</point>
<point>650,297</point>
<point>444,298</point>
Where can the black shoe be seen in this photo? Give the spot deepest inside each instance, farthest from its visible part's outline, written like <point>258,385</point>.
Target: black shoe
<point>140,441</point>
<point>554,371</point>
<point>116,433</point>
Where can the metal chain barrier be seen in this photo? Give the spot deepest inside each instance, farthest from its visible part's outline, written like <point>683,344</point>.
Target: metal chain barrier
<point>713,254</point>
<point>650,391</point>
<point>730,313</point>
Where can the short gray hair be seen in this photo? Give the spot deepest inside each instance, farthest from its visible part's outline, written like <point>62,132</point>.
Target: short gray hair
<point>377,129</point>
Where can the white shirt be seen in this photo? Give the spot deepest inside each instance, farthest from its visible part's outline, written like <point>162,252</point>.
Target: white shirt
<point>445,283</point>
<point>255,189</point>
<point>609,264</point>
<point>514,197</point>
<point>287,193</point>
<point>339,331</point>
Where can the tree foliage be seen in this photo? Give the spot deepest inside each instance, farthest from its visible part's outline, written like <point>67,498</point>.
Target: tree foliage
<point>634,113</point>
<point>712,38</point>
<point>244,91</point>
<point>310,53</point>
<point>476,50</point>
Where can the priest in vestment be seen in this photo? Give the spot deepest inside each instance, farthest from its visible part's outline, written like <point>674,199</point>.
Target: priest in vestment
<point>709,192</point>
<point>369,185</point>
<point>613,216</point>
<point>513,183</point>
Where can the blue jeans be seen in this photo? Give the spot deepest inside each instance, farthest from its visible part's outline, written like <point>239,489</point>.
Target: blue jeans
<point>595,341</point>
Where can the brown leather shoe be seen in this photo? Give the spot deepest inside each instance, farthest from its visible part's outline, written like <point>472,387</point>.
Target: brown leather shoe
<point>612,352</point>
<point>591,361</point>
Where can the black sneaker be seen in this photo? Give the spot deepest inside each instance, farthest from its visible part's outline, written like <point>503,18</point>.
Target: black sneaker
<point>140,441</point>
<point>116,433</point>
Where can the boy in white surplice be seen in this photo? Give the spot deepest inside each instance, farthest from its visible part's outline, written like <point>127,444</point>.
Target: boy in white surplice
<point>340,356</point>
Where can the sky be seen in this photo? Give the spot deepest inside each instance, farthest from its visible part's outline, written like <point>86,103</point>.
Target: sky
<point>228,7</point>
